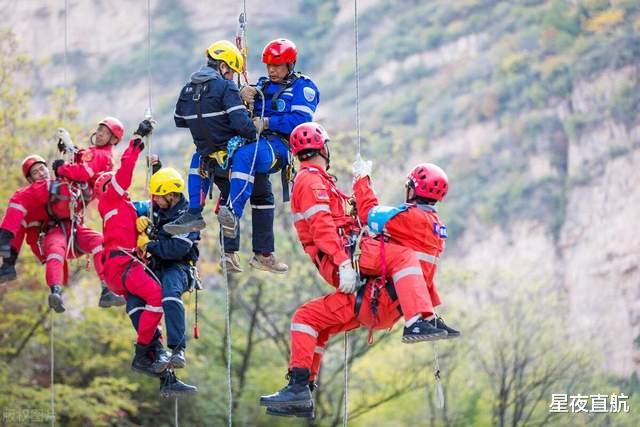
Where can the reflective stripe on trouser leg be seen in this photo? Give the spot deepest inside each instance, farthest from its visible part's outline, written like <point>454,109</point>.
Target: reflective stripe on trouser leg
<point>140,284</point>
<point>54,247</point>
<point>314,322</point>
<point>243,175</point>
<point>404,268</point>
<point>262,215</point>
<point>174,281</point>
<point>230,245</point>
<point>410,286</point>
<point>321,346</point>
<point>194,182</point>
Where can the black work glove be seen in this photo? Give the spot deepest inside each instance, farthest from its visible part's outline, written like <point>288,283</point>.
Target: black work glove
<point>55,165</point>
<point>144,128</point>
<point>138,143</point>
<point>61,147</point>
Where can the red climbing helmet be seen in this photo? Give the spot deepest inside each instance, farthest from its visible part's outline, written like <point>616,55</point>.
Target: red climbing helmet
<point>308,136</point>
<point>114,125</point>
<point>28,163</point>
<point>429,181</point>
<point>100,186</point>
<point>280,51</point>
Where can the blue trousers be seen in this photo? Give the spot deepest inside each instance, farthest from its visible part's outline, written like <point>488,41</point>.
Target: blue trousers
<point>267,156</point>
<point>260,196</point>
<point>174,280</point>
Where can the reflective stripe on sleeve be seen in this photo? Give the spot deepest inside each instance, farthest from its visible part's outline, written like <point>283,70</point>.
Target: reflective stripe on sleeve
<point>18,206</point>
<point>311,211</point>
<point>302,108</point>
<point>243,176</point>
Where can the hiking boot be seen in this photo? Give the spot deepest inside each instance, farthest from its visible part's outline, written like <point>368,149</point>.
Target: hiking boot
<point>144,360</point>
<point>176,360</point>
<point>451,333</point>
<point>268,263</point>
<point>233,262</point>
<point>185,224</point>
<point>170,385</point>
<point>5,243</point>
<point>161,357</point>
<point>7,272</point>
<point>422,330</point>
<point>8,268</point>
<point>109,299</point>
<point>295,394</point>
<point>228,222</point>
<point>295,411</point>
<point>55,299</point>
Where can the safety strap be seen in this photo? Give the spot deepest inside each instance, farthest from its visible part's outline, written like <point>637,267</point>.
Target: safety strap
<point>287,84</point>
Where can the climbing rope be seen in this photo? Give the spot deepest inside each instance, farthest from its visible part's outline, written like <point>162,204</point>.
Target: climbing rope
<point>227,325</point>
<point>52,354</point>
<point>357,72</point>
<point>345,416</point>
<point>51,367</point>
<point>64,67</point>
<point>148,112</point>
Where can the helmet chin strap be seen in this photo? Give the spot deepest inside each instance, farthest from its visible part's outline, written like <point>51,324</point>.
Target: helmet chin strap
<point>325,153</point>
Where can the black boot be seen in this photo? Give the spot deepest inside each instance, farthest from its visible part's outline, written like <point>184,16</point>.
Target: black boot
<point>8,268</point>
<point>161,357</point>
<point>5,243</point>
<point>177,359</point>
<point>55,299</point>
<point>451,333</point>
<point>422,330</point>
<point>170,385</point>
<point>109,299</point>
<point>295,411</point>
<point>296,393</point>
<point>144,360</point>
<point>186,223</point>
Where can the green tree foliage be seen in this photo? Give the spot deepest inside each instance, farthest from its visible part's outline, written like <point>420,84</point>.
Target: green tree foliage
<point>486,64</point>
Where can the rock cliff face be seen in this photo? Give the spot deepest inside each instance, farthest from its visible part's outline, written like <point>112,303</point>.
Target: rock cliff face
<point>593,254</point>
<point>600,249</point>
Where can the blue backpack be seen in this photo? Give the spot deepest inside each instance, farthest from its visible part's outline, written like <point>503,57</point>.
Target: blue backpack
<point>379,216</point>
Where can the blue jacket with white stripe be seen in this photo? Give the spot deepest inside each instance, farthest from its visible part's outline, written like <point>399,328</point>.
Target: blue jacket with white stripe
<point>210,106</point>
<point>287,104</point>
<point>164,247</point>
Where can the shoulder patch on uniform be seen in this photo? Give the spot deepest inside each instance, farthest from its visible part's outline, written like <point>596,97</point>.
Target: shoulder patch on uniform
<point>440,230</point>
<point>309,93</point>
<point>87,156</point>
<point>320,193</point>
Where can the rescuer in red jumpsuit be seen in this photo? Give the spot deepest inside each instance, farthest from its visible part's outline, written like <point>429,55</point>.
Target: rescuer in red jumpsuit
<point>41,211</point>
<point>324,226</point>
<point>127,275</point>
<point>89,163</point>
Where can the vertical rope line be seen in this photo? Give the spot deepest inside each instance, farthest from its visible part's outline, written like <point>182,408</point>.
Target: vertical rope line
<point>357,71</point>
<point>175,413</point>
<point>148,115</point>
<point>345,417</point>
<point>51,369</point>
<point>227,325</point>
<point>149,52</point>
<point>65,89</point>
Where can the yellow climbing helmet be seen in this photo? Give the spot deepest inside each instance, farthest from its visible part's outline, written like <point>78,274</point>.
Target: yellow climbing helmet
<point>225,51</point>
<point>165,181</point>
